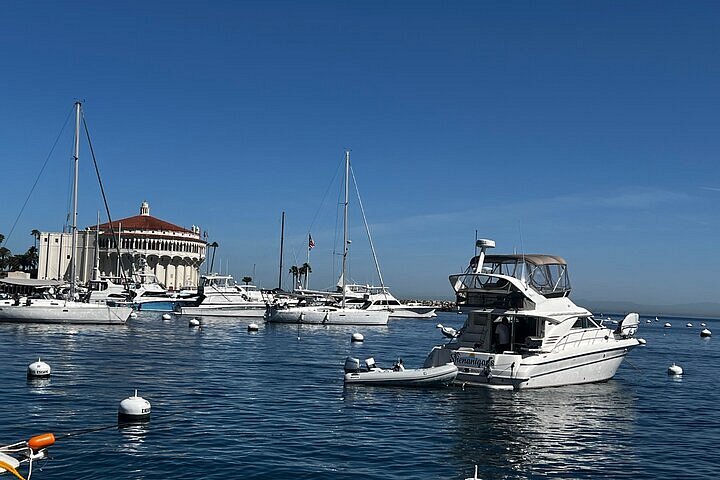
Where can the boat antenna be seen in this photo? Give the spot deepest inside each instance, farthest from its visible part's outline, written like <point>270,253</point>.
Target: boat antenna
<point>367,230</point>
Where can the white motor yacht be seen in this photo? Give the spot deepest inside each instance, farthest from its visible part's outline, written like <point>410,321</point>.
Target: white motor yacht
<point>220,296</point>
<point>380,298</point>
<point>550,341</point>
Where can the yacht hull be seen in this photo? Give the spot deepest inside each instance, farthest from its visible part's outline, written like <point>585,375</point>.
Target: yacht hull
<point>65,312</point>
<point>413,312</point>
<point>512,371</point>
<point>328,316</point>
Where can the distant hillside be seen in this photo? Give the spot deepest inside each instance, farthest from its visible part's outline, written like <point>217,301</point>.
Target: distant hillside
<point>705,309</point>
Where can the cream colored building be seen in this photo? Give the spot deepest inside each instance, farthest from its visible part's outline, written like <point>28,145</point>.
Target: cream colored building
<point>147,245</point>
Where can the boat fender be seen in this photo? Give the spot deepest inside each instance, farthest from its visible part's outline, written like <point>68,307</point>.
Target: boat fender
<point>41,441</point>
<point>352,365</point>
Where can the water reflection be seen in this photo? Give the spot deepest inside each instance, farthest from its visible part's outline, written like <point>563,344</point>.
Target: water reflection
<point>569,431</point>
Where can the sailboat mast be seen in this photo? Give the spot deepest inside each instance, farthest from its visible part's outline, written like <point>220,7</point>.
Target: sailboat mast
<point>76,156</point>
<point>345,223</point>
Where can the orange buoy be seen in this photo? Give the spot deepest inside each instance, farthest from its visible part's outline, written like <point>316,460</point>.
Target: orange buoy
<point>41,441</point>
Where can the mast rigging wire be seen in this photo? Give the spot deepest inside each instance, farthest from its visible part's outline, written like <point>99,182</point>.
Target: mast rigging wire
<point>38,178</point>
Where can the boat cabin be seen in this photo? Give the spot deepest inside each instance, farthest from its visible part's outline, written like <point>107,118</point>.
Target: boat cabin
<point>481,287</point>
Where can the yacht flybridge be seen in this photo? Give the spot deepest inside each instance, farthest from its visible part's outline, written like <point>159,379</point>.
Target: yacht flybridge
<point>522,329</point>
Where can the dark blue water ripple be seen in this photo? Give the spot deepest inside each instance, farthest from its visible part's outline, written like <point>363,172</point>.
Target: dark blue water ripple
<point>233,404</point>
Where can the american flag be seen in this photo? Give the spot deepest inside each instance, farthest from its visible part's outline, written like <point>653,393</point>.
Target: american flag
<point>311,244</point>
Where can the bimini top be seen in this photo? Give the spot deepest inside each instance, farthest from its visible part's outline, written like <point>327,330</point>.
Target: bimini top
<point>547,274</point>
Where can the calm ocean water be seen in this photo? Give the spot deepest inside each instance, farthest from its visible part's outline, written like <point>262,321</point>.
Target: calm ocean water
<point>230,404</point>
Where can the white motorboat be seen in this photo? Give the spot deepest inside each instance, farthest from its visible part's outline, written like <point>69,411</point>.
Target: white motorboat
<point>398,375</point>
<point>341,314</point>
<point>68,310</point>
<point>551,340</point>
<point>380,298</point>
<point>220,296</point>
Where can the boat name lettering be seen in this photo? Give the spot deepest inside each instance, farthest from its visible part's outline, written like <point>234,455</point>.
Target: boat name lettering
<point>468,361</point>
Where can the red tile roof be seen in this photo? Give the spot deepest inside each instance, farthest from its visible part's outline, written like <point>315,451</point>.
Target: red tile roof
<point>142,222</point>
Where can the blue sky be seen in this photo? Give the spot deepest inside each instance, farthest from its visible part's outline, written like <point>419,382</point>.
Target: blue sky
<point>583,129</point>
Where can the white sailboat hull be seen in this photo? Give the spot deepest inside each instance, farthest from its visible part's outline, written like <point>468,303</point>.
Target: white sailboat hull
<point>60,312</point>
<point>329,316</point>
<point>249,310</point>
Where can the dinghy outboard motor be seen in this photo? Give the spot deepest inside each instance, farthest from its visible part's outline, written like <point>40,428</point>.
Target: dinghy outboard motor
<point>352,365</point>
<point>629,325</point>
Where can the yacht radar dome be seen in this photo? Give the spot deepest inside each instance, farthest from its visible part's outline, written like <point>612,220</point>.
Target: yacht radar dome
<point>253,327</point>
<point>194,322</point>
<point>166,316</point>
<point>675,369</point>
<point>134,409</point>
<point>357,337</point>
<point>484,243</point>
<point>38,369</point>
<point>705,333</point>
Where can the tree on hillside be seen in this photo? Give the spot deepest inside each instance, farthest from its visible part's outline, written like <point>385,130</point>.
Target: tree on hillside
<point>5,255</point>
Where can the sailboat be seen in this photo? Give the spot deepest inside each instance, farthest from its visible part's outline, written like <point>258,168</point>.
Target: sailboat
<point>68,309</point>
<point>340,314</point>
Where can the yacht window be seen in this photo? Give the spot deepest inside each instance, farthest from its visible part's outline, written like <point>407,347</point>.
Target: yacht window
<point>580,323</point>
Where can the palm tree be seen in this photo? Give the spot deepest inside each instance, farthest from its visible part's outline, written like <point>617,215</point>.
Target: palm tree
<point>31,259</point>
<point>214,246</point>
<point>247,280</point>
<point>305,272</point>
<point>295,272</point>
<point>36,233</point>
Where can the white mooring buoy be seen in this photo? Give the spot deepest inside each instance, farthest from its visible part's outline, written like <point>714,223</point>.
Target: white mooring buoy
<point>703,325</point>
<point>194,322</point>
<point>667,325</point>
<point>705,333</point>
<point>675,369</point>
<point>253,327</point>
<point>38,369</point>
<point>134,409</point>
<point>689,325</point>
<point>133,315</point>
<point>357,337</point>
<point>642,341</point>
<point>166,316</point>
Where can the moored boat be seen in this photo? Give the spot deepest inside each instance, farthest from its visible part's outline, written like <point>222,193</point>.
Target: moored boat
<point>523,331</point>
<point>398,375</point>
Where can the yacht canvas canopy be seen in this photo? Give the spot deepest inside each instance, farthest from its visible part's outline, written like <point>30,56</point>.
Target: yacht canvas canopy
<point>31,282</point>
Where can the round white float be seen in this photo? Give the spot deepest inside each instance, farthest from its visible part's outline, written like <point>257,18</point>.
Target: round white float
<point>38,369</point>
<point>675,369</point>
<point>253,327</point>
<point>194,322</point>
<point>703,325</point>
<point>134,409</point>
<point>642,341</point>
<point>166,316</point>
<point>705,333</point>
<point>667,325</point>
<point>133,315</point>
<point>689,325</point>
<point>357,337</point>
